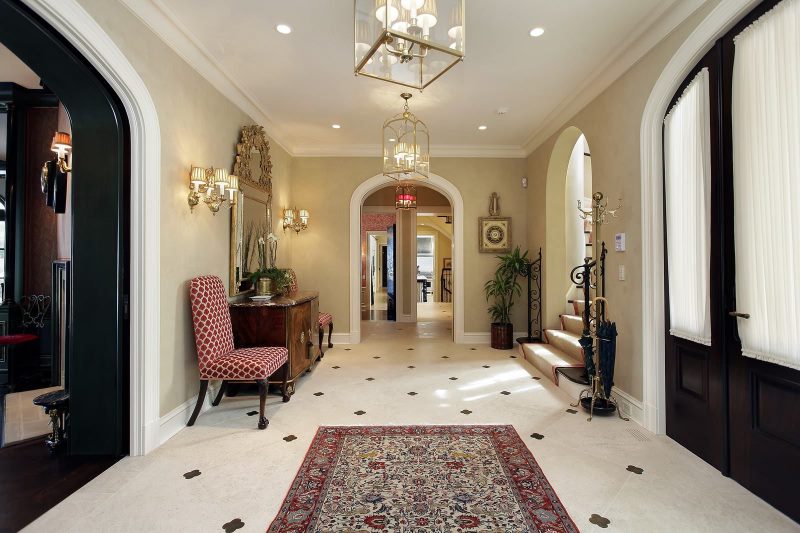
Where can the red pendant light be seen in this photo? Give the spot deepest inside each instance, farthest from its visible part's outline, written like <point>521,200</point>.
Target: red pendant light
<point>405,196</point>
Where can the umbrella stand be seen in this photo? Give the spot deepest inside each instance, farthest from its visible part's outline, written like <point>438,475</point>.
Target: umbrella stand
<point>598,341</point>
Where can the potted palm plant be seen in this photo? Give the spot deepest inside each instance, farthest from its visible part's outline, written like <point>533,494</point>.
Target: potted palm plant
<point>502,289</point>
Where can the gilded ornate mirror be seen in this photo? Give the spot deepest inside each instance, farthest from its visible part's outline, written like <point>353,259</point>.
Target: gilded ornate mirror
<point>252,215</point>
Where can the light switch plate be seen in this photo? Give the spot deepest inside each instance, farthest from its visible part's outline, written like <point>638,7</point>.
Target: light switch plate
<point>622,272</point>
<point>619,242</point>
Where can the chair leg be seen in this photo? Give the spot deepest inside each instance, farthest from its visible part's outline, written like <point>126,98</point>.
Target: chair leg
<point>330,332</point>
<point>201,397</point>
<point>262,400</point>
<point>285,386</point>
<point>321,336</point>
<point>220,393</point>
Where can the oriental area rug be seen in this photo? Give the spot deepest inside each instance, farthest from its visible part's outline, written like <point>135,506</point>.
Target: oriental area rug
<point>416,479</point>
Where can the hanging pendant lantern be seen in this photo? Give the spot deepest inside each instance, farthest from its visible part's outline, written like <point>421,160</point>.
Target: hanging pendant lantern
<point>408,42</point>
<point>405,196</point>
<point>406,146</point>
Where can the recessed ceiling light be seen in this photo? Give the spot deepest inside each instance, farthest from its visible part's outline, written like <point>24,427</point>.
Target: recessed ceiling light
<point>336,126</point>
<point>284,29</point>
<point>482,127</point>
<point>537,32</point>
<point>392,140</point>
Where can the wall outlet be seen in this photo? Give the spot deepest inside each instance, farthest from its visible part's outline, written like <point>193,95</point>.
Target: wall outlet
<point>622,272</point>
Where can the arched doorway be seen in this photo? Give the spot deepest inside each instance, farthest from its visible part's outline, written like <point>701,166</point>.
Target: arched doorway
<point>86,42</point>
<point>653,314</point>
<point>452,193</point>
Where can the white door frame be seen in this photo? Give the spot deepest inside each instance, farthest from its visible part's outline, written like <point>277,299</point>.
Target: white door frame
<point>76,25</point>
<point>716,24</point>
<point>370,281</point>
<point>452,193</point>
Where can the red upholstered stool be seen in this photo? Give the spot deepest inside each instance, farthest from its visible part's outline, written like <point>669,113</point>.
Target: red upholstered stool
<point>17,338</point>
<point>11,341</point>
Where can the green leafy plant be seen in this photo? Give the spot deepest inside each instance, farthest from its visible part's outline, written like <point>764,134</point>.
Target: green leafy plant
<point>505,285</point>
<point>278,275</point>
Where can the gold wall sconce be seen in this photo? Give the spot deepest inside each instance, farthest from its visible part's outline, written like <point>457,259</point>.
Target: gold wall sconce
<point>296,219</point>
<point>54,173</point>
<point>210,186</point>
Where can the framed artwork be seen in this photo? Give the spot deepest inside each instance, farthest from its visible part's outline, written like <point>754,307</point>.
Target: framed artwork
<point>495,235</point>
<point>447,262</point>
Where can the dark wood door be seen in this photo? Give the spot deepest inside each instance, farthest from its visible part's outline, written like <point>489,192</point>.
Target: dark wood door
<point>695,373</point>
<point>763,397</point>
<point>391,270</point>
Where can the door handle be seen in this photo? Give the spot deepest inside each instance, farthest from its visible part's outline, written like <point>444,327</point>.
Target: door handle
<point>737,314</point>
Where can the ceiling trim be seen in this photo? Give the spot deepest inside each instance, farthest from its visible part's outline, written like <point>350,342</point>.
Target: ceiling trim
<point>656,27</point>
<point>440,150</point>
<point>165,24</point>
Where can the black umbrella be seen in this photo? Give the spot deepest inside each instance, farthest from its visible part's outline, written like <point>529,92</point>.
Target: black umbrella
<point>607,334</point>
<point>588,355</point>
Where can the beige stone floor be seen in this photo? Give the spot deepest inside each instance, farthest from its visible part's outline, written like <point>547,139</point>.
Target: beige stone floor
<point>245,472</point>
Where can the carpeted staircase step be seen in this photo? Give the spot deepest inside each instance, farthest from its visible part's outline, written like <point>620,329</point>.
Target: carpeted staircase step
<point>572,324</point>
<point>547,358</point>
<point>578,306</point>
<point>565,341</point>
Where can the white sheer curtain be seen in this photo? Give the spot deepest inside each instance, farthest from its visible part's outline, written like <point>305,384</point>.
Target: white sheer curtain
<point>687,163</point>
<point>766,167</point>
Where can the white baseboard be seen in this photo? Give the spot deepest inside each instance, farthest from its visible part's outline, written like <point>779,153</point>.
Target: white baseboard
<point>174,421</point>
<point>629,406</point>
<point>483,337</point>
<point>338,338</point>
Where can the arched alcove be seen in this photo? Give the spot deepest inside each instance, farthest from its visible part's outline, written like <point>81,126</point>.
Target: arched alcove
<point>556,278</point>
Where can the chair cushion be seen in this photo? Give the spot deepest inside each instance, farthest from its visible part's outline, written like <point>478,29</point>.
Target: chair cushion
<point>325,319</point>
<point>246,363</point>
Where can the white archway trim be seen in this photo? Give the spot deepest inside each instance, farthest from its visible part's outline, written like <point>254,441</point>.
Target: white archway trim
<point>719,21</point>
<point>456,201</point>
<point>83,32</point>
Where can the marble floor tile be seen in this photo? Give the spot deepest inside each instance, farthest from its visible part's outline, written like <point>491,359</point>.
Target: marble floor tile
<point>223,469</point>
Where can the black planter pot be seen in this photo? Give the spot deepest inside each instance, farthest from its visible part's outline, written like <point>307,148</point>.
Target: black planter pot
<point>502,336</point>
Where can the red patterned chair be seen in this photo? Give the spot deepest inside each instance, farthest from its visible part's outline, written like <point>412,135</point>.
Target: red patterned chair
<point>216,356</point>
<point>325,319</point>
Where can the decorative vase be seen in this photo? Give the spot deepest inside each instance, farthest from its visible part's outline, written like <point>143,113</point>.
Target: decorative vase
<point>265,287</point>
<point>502,336</point>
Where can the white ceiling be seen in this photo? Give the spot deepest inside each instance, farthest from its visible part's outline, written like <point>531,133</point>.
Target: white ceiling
<point>12,69</point>
<point>300,84</point>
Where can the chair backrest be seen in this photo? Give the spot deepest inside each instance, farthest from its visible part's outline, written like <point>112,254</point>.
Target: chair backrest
<point>292,280</point>
<point>211,318</point>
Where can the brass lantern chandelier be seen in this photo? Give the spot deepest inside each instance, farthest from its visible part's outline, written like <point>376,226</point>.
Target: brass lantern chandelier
<point>406,146</point>
<point>408,42</point>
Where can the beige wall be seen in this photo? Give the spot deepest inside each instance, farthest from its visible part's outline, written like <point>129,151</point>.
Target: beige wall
<point>611,124</point>
<point>199,126</point>
<point>324,185</point>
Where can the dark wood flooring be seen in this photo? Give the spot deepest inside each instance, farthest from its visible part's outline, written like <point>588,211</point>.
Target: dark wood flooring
<point>32,481</point>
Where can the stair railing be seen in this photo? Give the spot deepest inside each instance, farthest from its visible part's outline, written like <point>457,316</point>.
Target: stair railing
<point>446,283</point>
<point>533,273</point>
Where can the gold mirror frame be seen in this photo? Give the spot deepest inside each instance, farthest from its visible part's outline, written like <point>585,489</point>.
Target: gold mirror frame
<point>253,139</point>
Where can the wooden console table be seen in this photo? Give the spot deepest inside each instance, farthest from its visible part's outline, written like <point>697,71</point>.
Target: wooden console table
<point>290,321</point>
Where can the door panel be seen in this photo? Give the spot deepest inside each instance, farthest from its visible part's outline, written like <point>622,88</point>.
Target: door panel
<point>763,397</point>
<point>695,373</point>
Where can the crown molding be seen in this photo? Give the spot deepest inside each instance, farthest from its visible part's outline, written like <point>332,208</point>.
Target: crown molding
<point>156,16</point>
<point>437,150</point>
<point>655,28</point>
